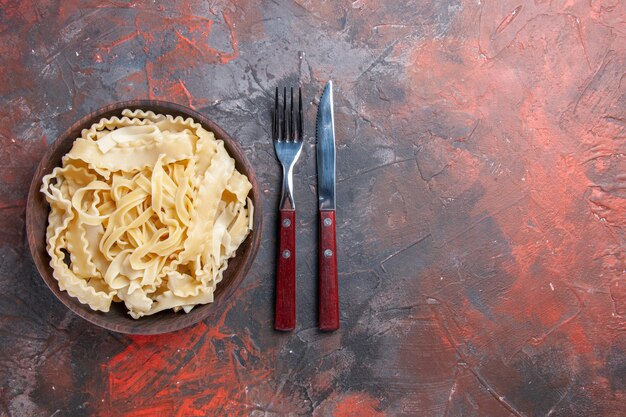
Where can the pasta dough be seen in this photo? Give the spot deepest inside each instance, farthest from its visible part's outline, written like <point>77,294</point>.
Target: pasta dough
<point>146,209</point>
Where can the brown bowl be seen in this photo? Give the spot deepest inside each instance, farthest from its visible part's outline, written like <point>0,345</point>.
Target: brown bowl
<point>117,319</point>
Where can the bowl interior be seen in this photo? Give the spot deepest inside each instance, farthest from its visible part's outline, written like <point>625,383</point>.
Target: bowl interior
<point>117,319</point>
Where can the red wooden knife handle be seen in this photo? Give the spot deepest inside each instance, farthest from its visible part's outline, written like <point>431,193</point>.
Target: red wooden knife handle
<point>285,318</point>
<point>328,287</point>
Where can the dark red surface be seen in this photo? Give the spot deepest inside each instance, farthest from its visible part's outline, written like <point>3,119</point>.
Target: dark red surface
<point>328,291</point>
<point>285,314</point>
<point>481,205</point>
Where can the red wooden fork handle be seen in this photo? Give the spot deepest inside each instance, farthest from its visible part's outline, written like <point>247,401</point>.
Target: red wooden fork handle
<point>285,317</point>
<point>328,287</point>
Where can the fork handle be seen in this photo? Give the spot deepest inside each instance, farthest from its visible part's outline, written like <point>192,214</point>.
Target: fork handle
<point>328,287</point>
<point>285,316</point>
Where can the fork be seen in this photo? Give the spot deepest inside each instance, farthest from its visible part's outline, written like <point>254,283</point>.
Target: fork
<point>287,136</point>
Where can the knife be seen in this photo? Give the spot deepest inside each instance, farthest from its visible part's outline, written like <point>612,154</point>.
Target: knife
<point>328,296</point>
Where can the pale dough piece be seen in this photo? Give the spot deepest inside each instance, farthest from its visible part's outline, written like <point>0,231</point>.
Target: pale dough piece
<point>150,208</point>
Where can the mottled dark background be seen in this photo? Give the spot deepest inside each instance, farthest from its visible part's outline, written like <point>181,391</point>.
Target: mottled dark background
<point>481,206</point>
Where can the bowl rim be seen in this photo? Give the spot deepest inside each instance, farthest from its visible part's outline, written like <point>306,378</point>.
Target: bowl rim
<point>202,312</point>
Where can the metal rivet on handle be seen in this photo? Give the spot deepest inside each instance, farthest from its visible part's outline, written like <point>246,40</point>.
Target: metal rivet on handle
<point>327,221</point>
<point>328,253</point>
<point>286,254</point>
<point>286,223</point>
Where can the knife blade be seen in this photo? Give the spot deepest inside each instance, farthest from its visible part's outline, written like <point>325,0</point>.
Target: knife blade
<point>328,289</point>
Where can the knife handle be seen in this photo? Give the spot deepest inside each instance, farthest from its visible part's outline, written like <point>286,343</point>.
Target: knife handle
<point>328,287</point>
<point>285,316</point>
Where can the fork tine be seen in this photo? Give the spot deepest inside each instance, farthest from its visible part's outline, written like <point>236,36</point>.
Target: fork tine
<point>300,129</point>
<point>292,132</point>
<point>275,117</point>
<point>284,127</point>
